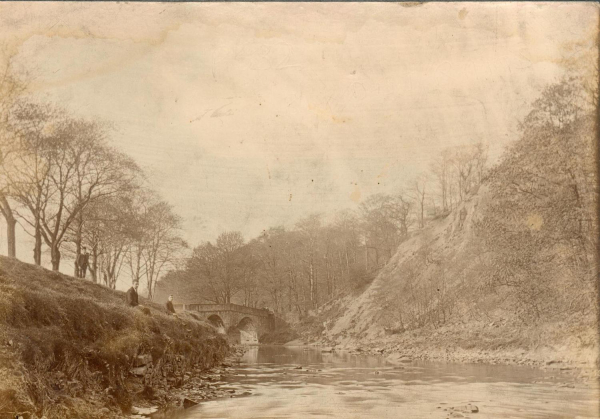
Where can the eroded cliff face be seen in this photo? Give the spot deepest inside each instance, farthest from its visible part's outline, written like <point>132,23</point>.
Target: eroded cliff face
<point>434,258</point>
<point>435,299</point>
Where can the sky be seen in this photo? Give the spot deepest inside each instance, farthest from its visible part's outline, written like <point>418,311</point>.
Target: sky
<point>251,115</point>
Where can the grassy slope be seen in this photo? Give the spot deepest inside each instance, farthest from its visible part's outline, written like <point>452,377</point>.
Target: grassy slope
<point>483,325</point>
<point>67,345</point>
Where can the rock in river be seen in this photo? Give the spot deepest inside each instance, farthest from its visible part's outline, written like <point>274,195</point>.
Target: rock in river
<point>188,403</point>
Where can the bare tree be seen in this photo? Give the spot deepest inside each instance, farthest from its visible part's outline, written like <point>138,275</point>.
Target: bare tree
<point>420,190</point>
<point>464,164</point>
<point>110,229</point>
<point>385,220</point>
<point>156,244</point>
<point>220,266</point>
<point>58,165</point>
<point>203,266</point>
<point>309,232</point>
<point>229,244</point>
<point>101,173</point>
<point>10,89</point>
<point>26,168</point>
<point>441,167</point>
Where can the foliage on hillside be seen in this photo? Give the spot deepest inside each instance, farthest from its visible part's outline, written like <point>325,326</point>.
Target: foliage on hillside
<point>520,252</point>
<point>63,339</point>
<point>541,230</point>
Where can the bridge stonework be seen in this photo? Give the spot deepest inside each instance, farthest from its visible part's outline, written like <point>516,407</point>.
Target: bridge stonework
<point>246,322</point>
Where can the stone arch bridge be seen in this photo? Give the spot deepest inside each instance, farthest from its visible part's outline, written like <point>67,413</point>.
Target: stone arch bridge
<point>241,324</point>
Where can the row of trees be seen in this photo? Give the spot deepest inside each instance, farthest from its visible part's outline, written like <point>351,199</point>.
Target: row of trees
<point>287,270</point>
<point>299,269</point>
<point>68,188</point>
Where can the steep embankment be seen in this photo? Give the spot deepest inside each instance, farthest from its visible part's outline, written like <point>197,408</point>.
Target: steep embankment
<point>434,299</point>
<point>71,348</point>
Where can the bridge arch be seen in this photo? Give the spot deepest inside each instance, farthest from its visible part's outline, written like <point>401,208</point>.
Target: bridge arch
<point>218,323</point>
<point>246,331</point>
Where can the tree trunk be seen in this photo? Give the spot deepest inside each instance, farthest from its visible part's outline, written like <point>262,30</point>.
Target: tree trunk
<point>94,267</point>
<point>37,247</point>
<point>311,282</point>
<point>327,275</point>
<point>78,234</point>
<point>55,255</point>
<point>11,237</point>
<point>315,287</point>
<point>290,291</point>
<point>10,226</point>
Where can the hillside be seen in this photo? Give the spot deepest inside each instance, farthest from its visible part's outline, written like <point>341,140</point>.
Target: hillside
<point>68,347</point>
<point>436,298</point>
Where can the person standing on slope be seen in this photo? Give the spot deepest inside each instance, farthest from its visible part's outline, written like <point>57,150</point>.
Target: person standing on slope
<point>170,307</point>
<point>82,263</point>
<point>132,296</point>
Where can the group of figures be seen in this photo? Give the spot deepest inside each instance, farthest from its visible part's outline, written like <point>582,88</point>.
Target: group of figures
<point>131,298</point>
<point>81,264</point>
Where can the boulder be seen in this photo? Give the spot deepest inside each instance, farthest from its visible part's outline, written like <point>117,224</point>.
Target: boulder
<point>472,408</point>
<point>188,403</point>
<point>141,360</point>
<point>144,411</point>
<point>139,371</point>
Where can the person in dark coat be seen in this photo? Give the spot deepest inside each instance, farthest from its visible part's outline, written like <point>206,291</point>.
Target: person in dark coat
<point>132,296</point>
<point>82,263</point>
<point>170,307</point>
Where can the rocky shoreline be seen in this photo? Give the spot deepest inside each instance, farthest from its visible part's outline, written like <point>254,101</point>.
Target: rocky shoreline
<point>196,386</point>
<point>584,371</point>
<point>568,347</point>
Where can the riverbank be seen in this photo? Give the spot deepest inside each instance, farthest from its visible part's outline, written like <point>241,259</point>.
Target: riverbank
<point>199,386</point>
<point>569,347</point>
<point>70,348</point>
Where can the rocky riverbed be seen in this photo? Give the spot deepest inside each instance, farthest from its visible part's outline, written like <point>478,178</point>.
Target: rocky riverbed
<point>575,351</point>
<point>194,386</point>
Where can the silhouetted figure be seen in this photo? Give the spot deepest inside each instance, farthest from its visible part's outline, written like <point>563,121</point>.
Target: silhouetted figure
<point>132,295</point>
<point>82,263</point>
<point>170,307</point>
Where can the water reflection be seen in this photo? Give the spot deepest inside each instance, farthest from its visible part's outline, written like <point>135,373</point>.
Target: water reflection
<point>300,382</point>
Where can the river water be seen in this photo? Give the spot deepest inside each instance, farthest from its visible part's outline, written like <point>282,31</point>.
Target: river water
<point>343,385</point>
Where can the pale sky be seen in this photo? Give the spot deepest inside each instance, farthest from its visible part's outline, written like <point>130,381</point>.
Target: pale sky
<point>251,115</point>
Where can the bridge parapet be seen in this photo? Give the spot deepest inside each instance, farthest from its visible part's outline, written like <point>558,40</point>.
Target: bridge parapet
<point>213,308</point>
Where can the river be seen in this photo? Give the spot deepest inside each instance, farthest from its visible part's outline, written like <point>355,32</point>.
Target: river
<point>343,385</point>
